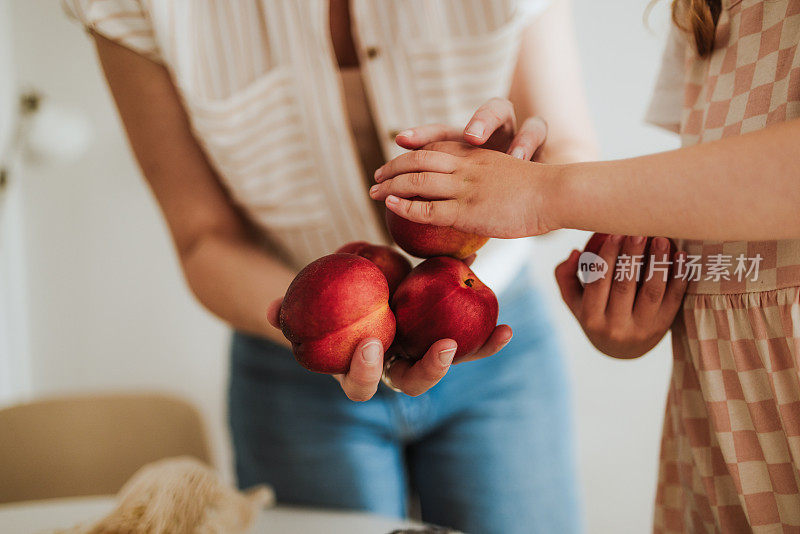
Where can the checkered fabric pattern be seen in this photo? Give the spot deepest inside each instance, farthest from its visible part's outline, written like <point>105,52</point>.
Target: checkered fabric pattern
<point>730,453</point>
<point>778,266</point>
<point>752,79</point>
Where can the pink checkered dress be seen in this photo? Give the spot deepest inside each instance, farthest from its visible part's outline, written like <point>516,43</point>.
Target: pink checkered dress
<point>730,453</point>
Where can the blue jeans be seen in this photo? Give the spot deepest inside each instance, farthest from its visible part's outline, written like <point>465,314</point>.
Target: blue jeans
<point>488,449</point>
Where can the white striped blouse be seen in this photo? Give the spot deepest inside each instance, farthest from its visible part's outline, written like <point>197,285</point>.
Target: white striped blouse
<point>260,83</point>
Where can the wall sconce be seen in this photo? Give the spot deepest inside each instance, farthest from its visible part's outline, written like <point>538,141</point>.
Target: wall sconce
<point>43,132</point>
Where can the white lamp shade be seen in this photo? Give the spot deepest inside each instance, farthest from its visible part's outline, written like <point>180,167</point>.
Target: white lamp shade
<point>57,134</point>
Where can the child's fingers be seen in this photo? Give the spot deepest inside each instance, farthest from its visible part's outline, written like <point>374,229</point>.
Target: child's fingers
<point>623,286</point>
<point>650,295</point>
<point>420,136</point>
<point>495,114</point>
<point>417,161</point>
<point>529,138</point>
<point>430,185</point>
<point>567,278</point>
<point>595,294</point>
<point>436,212</point>
<point>673,295</point>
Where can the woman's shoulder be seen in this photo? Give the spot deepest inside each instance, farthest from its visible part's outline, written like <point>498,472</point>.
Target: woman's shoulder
<point>126,22</point>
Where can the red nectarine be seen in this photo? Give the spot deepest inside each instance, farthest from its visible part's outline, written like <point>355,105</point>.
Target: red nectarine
<point>331,306</point>
<point>443,299</point>
<point>394,265</point>
<point>426,240</point>
<point>595,242</point>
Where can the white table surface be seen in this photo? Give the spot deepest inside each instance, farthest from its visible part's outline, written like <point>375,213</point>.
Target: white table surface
<point>42,516</point>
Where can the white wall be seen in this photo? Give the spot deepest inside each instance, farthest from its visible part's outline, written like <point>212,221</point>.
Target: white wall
<point>108,307</point>
<point>14,370</point>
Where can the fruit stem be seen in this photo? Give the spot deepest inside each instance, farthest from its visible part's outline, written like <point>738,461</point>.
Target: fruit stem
<point>469,282</point>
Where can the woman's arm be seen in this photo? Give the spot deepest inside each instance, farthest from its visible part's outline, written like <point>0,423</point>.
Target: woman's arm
<point>548,83</point>
<point>227,271</point>
<point>739,188</point>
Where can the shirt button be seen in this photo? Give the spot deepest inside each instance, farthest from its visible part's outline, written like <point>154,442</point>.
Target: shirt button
<point>372,52</point>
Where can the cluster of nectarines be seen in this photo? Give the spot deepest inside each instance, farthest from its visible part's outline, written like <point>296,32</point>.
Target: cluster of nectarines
<point>365,290</point>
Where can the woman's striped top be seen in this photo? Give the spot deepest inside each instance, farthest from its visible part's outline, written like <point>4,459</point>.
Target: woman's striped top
<point>261,85</point>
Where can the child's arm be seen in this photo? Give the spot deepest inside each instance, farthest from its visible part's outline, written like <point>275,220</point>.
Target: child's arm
<point>618,319</point>
<point>739,188</point>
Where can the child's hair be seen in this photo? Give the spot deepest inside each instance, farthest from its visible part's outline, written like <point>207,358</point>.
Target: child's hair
<point>699,19</point>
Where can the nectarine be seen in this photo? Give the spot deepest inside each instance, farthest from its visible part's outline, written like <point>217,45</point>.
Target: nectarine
<point>394,265</point>
<point>595,242</point>
<point>443,299</point>
<point>426,240</point>
<point>333,304</point>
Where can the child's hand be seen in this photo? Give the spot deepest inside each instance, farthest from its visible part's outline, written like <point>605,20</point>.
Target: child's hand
<point>471,189</point>
<point>619,320</point>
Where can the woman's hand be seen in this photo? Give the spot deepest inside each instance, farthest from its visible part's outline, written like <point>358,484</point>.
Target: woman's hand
<point>492,126</point>
<point>618,319</point>
<point>471,189</point>
<point>412,378</point>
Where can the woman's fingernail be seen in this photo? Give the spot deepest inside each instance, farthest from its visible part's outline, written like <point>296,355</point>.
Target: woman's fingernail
<point>392,200</point>
<point>518,153</point>
<point>446,356</point>
<point>660,244</point>
<point>636,239</point>
<point>615,238</point>
<point>406,133</point>
<point>506,342</point>
<point>371,352</point>
<point>373,190</point>
<point>475,130</point>
<point>378,173</point>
